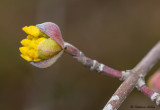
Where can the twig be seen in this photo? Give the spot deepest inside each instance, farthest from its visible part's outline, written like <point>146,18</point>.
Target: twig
<point>131,77</point>
<point>92,64</point>
<point>139,71</point>
<point>154,96</point>
<point>122,92</point>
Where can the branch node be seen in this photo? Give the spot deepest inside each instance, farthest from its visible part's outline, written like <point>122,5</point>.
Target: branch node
<point>81,53</point>
<point>108,107</point>
<point>97,66</point>
<point>140,82</point>
<point>94,65</point>
<point>158,100</point>
<point>101,67</point>
<point>154,96</point>
<point>125,74</point>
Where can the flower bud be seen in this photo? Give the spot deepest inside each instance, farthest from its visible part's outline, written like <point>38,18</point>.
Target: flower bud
<point>48,48</point>
<point>43,45</point>
<point>154,81</point>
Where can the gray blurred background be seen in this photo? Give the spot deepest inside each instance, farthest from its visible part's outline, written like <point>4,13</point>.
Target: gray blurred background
<point>116,33</point>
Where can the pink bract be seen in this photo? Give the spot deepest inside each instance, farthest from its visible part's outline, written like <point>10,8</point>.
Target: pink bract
<point>47,63</point>
<point>53,31</point>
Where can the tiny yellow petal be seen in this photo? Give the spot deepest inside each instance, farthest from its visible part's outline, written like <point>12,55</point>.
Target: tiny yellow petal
<point>32,30</point>
<point>37,60</point>
<point>32,53</point>
<point>40,40</point>
<point>26,57</point>
<point>25,42</point>
<point>24,50</point>
<point>30,37</point>
<point>32,44</point>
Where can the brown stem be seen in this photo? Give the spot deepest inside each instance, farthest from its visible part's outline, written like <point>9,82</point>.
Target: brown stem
<point>154,96</point>
<point>148,61</point>
<point>146,91</point>
<point>128,85</point>
<point>131,77</point>
<point>122,92</point>
<point>92,64</point>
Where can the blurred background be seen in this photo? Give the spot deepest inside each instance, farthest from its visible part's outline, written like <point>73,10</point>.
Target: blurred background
<point>116,33</point>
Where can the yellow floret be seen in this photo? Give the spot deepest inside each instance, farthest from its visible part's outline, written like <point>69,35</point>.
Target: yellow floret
<point>25,42</point>
<point>33,53</point>
<point>40,40</point>
<point>33,45</point>
<point>30,37</point>
<point>32,30</point>
<point>24,50</point>
<point>29,49</point>
<point>37,60</point>
<point>26,57</point>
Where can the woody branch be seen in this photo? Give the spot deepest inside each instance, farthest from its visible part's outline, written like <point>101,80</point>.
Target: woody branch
<point>131,77</point>
<point>92,64</point>
<point>140,71</point>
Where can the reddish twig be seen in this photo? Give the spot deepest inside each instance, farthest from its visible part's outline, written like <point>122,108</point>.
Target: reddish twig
<point>154,96</point>
<point>92,64</point>
<point>131,77</point>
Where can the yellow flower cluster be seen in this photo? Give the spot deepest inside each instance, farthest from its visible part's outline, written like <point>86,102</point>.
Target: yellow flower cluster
<point>30,44</point>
